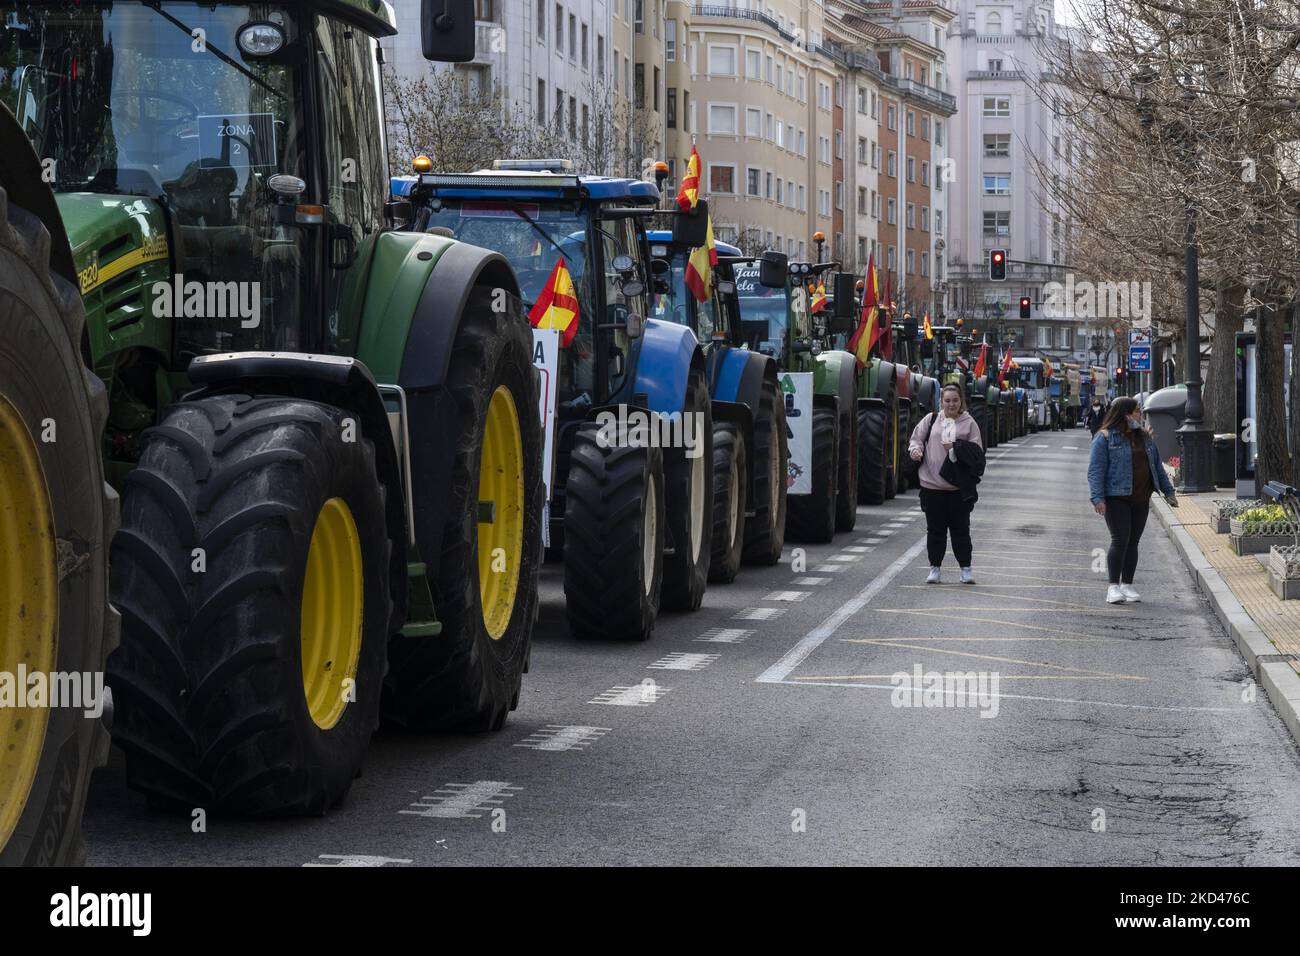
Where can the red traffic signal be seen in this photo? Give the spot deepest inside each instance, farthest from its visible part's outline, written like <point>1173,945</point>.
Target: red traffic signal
<point>1025,305</point>
<point>1119,372</point>
<point>998,265</point>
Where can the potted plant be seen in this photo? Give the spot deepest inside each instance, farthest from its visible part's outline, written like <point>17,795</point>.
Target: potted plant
<point>1225,508</point>
<point>1284,570</point>
<point>1257,529</point>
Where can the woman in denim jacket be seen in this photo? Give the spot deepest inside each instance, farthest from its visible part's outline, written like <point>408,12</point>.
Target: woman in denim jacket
<point>1124,470</point>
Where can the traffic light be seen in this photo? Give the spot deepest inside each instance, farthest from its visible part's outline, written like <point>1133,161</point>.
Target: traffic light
<point>1024,306</point>
<point>1119,374</point>
<point>998,265</point>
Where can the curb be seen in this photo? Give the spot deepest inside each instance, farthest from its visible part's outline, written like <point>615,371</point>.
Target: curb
<point>1279,680</point>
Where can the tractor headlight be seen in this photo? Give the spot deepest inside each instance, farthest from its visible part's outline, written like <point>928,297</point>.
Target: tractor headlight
<point>261,39</point>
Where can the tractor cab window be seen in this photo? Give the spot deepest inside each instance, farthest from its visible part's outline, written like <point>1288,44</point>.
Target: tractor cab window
<point>764,312</point>
<point>157,101</point>
<point>355,170</point>
<point>679,304</point>
<point>621,246</point>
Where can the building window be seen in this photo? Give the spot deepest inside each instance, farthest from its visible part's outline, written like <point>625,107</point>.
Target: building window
<point>753,122</point>
<point>559,28</point>
<point>862,200</point>
<point>875,155</point>
<point>891,208</point>
<point>586,123</point>
<point>688,118</point>
<point>573,37</point>
<point>767,194</point>
<point>874,105</point>
<point>891,166</point>
<point>938,133</point>
<point>911,262</point>
<point>638,14</point>
<point>803,199</point>
<point>1044,336</point>
<point>891,117</point>
<point>541,102</point>
<point>722,119</point>
<point>862,99</point>
<point>753,181</point>
<point>925,263</point>
<point>753,64</point>
<point>997,106</point>
<point>638,95</point>
<point>925,128</point>
<point>541,20</point>
<point>839,144</point>
<point>573,117</point>
<point>993,22</point>
<point>780,191</point>
<point>839,194</point>
<point>997,224</point>
<point>925,173</point>
<point>997,185</point>
<point>559,108</point>
<point>891,260</point>
<point>600,56</point>
<point>938,223</point>
<point>585,39</point>
<point>722,178</point>
<point>656,90</point>
<point>911,123</point>
<point>875,204</point>
<point>995,66</point>
<point>997,145</point>
<point>671,119</point>
<point>722,60</point>
<point>911,169</point>
<point>670,41</point>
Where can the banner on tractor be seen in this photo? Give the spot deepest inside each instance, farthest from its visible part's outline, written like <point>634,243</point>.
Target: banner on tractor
<point>797,388</point>
<point>546,359</point>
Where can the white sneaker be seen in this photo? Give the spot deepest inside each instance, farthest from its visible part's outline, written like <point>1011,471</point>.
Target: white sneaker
<point>934,576</point>
<point>967,576</point>
<point>1130,596</point>
<point>1114,595</point>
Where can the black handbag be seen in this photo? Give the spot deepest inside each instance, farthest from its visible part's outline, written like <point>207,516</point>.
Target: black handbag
<point>912,467</point>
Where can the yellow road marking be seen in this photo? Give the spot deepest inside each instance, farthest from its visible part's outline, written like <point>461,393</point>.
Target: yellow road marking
<point>988,620</point>
<point>1018,587</point>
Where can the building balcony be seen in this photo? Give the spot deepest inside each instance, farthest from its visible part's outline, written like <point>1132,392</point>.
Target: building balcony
<point>995,75</point>
<point>717,11</point>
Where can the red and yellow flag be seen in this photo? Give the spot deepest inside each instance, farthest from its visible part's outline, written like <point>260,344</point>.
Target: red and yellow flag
<point>929,330</point>
<point>982,363</point>
<point>557,306</point>
<point>699,268</point>
<point>819,296</point>
<point>1047,368</point>
<point>688,195</point>
<point>1006,363</point>
<point>864,336</point>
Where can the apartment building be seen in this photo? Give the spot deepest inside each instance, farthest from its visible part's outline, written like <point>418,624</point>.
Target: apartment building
<point>1014,146</point>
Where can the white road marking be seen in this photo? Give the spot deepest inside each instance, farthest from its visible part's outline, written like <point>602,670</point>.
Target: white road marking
<point>884,532</point>
<point>354,859</point>
<point>829,568</point>
<point>845,558</point>
<point>786,596</point>
<point>460,801</point>
<point>563,737</point>
<point>811,580</point>
<point>758,614</point>
<point>640,695</point>
<point>1074,447</point>
<point>679,661</point>
<point>725,635</point>
<point>779,671</point>
<point>854,549</point>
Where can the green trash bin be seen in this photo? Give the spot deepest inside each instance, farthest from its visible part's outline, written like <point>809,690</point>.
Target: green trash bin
<point>1225,460</point>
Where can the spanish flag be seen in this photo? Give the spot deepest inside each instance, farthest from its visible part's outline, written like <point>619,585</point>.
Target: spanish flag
<point>557,306</point>
<point>699,268</point>
<point>688,195</point>
<point>819,296</point>
<point>1047,368</point>
<point>864,336</point>
<point>929,330</point>
<point>1006,364</point>
<point>982,363</point>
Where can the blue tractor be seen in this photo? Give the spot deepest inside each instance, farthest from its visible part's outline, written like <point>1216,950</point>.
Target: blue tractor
<point>750,452</point>
<point>631,500</point>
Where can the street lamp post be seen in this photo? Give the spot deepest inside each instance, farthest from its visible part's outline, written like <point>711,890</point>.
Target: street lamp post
<point>1195,469</point>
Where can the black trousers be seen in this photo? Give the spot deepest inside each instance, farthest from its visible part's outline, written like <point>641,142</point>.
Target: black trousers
<point>946,514</point>
<point>1125,521</point>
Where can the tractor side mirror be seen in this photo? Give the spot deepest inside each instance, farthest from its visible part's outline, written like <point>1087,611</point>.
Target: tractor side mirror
<point>691,229</point>
<point>773,269</point>
<point>846,294</point>
<point>447,30</point>
<point>660,266</point>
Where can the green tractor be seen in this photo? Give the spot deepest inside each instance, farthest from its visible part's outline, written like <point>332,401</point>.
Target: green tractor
<point>324,431</point>
<point>778,320</point>
<point>56,518</point>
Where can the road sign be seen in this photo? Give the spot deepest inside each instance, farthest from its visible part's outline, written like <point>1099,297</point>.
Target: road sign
<point>1139,337</point>
<point>1139,358</point>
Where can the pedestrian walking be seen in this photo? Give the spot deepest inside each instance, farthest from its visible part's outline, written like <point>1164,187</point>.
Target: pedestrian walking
<point>942,440</point>
<point>1124,470</point>
<point>1094,415</point>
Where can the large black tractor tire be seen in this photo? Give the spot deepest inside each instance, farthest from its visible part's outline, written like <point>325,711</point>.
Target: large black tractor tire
<point>872,466</point>
<point>765,527</point>
<point>904,434</point>
<point>689,484</point>
<point>891,455</point>
<point>614,519</point>
<point>252,573</point>
<point>56,518</point>
<point>811,517</point>
<point>469,677</point>
<point>730,480</point>
<point>846,494</point>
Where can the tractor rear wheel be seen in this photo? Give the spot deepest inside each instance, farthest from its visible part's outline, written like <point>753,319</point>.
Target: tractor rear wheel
<point>729,483</point>
<point>468,678</point>
<point>252,573</point>
<point>613,538</point>
<point>872,467</point>
<point>812,517</point>
<point>689,504</point>
<point>846,497</point>
<point>56,516</point>
<point>765,528</point>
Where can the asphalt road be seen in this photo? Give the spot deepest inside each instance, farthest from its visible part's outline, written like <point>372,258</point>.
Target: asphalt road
<point>769,732</point>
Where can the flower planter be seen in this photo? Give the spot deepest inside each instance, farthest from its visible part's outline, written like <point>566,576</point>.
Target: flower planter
<point>1284,571</point>
<point>1257,537</point>
<point>1225,508</point>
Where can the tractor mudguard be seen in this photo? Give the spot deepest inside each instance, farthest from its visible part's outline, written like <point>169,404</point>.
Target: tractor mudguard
<point>665,355</point>
<point>841,371</point>
<point>885,385</point>
<point>334,380</point>
<point>21,176</point>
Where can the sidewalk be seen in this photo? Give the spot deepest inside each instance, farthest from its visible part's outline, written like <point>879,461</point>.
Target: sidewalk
<point>1265,628</point>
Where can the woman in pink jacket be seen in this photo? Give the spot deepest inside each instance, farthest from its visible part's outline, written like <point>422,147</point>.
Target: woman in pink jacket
<point>945,511</point>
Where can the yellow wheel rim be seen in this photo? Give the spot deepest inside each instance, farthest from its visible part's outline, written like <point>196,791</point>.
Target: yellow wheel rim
<point>29,607</point>
<point>500,513</point>
<point>333,599</point>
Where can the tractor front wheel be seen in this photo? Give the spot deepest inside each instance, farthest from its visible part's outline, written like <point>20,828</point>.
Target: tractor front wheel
<point>689,482</point>
<point>812,517</point>
<point>729,482</point>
